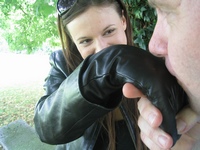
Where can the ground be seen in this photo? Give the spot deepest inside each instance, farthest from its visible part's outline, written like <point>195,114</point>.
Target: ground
<point>21,85</point>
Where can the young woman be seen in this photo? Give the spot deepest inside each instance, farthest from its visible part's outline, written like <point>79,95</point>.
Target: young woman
<point>86,27</point>
<point>61,116</point>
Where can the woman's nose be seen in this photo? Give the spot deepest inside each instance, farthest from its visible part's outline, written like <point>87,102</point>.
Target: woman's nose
<point>101,44</point>
<point>158,44</point>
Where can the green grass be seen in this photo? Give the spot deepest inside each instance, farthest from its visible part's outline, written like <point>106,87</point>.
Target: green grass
<point>18,102</point>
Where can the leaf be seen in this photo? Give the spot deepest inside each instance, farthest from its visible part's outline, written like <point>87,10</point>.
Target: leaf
<point>47,10</point>
<point>37,24</point>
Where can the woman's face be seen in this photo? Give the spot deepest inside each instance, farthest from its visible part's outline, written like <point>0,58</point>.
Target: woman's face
<point>96,29</point>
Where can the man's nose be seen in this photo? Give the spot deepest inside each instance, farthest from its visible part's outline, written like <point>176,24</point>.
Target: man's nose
<point>158,44</point>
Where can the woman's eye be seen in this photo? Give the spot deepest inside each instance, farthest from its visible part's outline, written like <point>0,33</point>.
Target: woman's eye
<point>86,41</point>
<point>109,31</point>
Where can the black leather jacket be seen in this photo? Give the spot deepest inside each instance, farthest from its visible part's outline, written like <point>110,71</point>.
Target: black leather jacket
<point>73,103</point>
<point>71,122</point>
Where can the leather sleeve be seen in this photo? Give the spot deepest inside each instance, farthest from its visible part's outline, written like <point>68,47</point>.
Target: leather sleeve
<point>95,87</point>
<point>63,114</point>
<point>116,65</point>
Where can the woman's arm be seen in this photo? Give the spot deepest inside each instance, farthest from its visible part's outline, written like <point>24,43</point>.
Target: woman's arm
<point>63,114</point>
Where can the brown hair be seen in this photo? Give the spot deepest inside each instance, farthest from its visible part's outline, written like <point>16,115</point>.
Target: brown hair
<point>73,59</point>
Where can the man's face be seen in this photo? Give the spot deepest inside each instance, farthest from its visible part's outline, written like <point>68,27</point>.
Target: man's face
<point>177,38</point>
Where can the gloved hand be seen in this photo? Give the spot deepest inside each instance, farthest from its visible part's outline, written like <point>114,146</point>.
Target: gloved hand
<point>103,75</point>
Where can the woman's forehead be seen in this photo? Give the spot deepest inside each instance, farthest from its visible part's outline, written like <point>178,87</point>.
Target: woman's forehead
<point>97,13</point>
<point>93,21</point>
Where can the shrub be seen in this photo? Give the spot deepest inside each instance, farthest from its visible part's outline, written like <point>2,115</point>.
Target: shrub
<point>143,19</point>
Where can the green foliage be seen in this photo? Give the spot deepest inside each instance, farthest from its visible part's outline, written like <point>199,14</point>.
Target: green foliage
<point>28,25</point>
<point>143,19</point>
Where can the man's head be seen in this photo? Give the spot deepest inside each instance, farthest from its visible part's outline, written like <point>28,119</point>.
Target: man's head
<point>177,38</point>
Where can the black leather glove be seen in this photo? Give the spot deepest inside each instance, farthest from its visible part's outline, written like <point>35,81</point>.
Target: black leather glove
<point>103,75</point>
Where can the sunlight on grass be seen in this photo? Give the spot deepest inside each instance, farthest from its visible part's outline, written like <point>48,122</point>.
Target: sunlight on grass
<point>19,102</point>
<point>21,86</point>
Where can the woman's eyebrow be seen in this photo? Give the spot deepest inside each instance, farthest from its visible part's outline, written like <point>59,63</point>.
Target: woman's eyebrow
<point>108,27</point>
<point>81,38</point>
